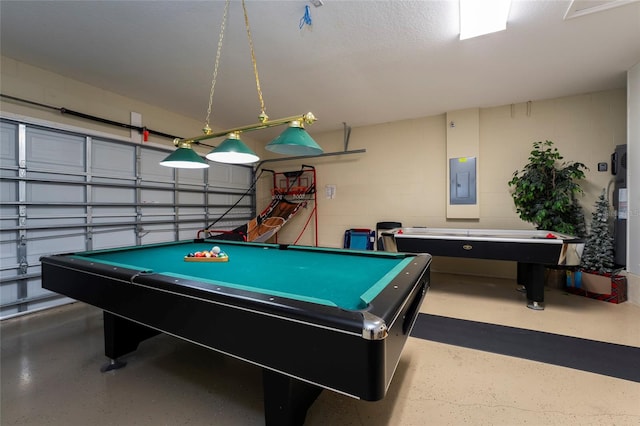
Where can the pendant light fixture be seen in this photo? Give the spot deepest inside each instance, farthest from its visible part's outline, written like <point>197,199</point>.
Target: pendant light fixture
<point>293,141</point>
<point>233,151</point>
<point>184,158</point>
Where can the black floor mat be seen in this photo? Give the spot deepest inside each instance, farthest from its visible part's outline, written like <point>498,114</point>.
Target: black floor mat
<point>609,359</point>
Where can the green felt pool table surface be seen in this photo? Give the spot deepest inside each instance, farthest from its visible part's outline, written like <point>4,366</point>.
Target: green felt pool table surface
<point>298,272</point>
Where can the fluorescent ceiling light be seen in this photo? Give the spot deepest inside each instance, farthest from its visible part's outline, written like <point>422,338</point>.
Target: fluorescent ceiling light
<point>479,17</point>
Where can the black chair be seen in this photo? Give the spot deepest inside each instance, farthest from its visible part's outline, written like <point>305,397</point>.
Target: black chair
<point>382,226</point>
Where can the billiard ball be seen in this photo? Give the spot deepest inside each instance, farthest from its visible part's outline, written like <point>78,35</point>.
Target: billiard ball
<point>215,250</point>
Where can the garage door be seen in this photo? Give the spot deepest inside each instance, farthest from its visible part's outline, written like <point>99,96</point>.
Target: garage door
<point>64,192</point>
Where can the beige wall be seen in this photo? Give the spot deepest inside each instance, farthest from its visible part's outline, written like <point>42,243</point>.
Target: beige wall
<point>402,175</point>
<point>24,81</point>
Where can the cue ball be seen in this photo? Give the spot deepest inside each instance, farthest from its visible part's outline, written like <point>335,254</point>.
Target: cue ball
<point>215,250</point>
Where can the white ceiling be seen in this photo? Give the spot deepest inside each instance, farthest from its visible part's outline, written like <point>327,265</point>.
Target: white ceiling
<point>361,62</point>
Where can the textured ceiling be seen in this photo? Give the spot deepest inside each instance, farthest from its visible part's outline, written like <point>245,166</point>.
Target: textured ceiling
<point>360,62</point>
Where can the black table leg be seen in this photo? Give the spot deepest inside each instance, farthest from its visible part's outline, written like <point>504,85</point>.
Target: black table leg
<point>286,400</point>
<point>522,277</point>
<point>531,275</point>
<point>122,336</point>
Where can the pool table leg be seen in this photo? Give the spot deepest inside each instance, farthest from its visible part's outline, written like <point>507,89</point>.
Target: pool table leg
<point>122,336</point>
<point>531,275</point>
<point>286,400</point>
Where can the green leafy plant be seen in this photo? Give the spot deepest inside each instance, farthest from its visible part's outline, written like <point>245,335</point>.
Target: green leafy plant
<point>545,191</point>
<point>597,256</point>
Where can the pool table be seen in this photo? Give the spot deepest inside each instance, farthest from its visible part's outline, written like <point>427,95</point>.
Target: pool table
<point>313,318</point>
<point>534,250</point>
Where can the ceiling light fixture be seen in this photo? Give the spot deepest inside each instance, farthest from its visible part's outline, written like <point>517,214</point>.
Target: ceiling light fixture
<point>184,158</point>
<point>483,17</point>
<point>293,141</point>
<point>233,151</point>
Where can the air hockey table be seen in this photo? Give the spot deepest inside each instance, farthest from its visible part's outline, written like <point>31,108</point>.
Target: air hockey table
<point>534,250</point>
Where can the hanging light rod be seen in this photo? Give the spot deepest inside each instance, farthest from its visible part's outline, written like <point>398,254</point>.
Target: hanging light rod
<point>293,141</point>
<point>307,118</point>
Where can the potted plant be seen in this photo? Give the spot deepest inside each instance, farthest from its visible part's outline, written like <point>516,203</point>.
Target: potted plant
<point>597,277</point>
<point>545,194</point>
<point>545,191</point>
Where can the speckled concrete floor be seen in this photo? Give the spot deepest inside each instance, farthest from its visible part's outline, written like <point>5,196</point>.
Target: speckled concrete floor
<point>50,372</point>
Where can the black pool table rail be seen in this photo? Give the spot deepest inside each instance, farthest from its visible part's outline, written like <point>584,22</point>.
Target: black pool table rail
<point>320,315</point>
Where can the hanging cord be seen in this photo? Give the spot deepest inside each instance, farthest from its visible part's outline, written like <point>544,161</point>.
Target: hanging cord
<point>310,190</point>
<point>207,128</point>
<point>304,228</point>
<point>306,18</point>
<point>291,184</point>
<point>253,184</point>
<point>263,115</point>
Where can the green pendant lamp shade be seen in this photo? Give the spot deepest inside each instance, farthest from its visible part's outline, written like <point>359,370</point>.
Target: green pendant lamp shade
<point>184,158</point>
<point>233,151</point>
<point>294,141</point>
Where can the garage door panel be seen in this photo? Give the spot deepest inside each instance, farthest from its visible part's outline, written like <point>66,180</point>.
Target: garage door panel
<point>44,192</point>
<point>152,171</point>
<point>47,242</point>
<point>114,237</point>
<point>8,144</point>
<point>55,150</point>
<point>112,160</point>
